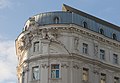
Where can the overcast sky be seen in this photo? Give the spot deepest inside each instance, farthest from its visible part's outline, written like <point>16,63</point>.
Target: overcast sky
<point>14,13</point>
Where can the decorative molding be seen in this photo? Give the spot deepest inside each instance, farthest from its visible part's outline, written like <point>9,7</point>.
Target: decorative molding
<point>76,66</point>
<point>45,66</point>
<point>64,66</point>
<point>76,43</point>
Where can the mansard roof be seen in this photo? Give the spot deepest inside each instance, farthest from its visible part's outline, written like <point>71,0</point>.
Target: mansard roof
<point>70,9</point>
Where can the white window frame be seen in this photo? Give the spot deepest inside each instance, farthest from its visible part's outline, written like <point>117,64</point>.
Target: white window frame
<point>51,76</point>
<point>85,48</point>
<point>38,73</point>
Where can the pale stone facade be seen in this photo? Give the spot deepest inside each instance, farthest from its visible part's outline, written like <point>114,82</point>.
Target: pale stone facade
<point>66,53</point>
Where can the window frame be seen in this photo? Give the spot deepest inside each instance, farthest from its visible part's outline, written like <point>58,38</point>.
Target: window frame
<point>36,46</point>
<point>101,31</point>
<point>38,73</point>
<point>102,54</point>
<point>85,74</point>
<point>115,58</point>
<point>103,78</point>
<point>116,79</point>
<point>114,36</point>
<point>85,48</point>
<point>57,71</point>
<point>56,20</point>
<point>85,24</point>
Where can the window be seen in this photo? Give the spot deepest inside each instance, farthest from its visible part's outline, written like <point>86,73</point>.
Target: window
<point>85,48</point>
<point>116,80</point>
<point>55,71</point>
<point>115,58</point>
<point>102,54</point>
<point>103,78</point>
<point>56,20</point>
<point>102,31</point>
<point>85,25</point>
<point>36,46</point>
<point>85,74</point>
<point>114,36</point>
<point>35,73</point>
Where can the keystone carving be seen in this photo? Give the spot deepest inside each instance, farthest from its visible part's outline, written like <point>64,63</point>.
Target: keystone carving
<point>44,66</point>
<point>64,66</point>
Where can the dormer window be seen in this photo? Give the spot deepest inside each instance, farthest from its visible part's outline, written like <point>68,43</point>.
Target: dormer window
<point>56,20</point>
<point>102,31</point>
<point>85,25</point>
<point>114,36</point>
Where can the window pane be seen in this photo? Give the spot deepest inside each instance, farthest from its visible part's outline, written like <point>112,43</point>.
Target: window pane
<point>85,25</point>
<point>102,31</point>
<point>36,46</point>
<point>35,73</point>
<point>85,48</point>
<point>57,73</point>
<point>115,58</point>
<point>102,54</point>
<point>53,74</point>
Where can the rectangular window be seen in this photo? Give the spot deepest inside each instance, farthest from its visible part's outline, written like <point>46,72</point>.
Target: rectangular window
<point>36,46</point>
<point>115,58</point>
<point>35,73</point>
<point>116,80</point>
<point>55,71</point>
<point>85,74</point>
<point>103,78</point>
<point>85,48</point>
<point>102,54</point>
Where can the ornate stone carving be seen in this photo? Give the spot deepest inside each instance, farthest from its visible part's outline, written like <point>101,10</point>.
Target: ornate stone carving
<point>64,66</point>
<point>44,66</point>
<point>96,70</point>
<point>96,49</point>
<point>76,43</point>
<point>76,66</point>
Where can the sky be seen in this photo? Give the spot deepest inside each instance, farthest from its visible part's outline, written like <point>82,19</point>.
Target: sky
<point>14,14</point>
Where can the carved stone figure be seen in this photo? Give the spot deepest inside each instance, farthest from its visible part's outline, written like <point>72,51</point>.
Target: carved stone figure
<point>76,43</point>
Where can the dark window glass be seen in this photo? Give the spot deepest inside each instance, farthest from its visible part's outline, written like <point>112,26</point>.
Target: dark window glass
<point>102,31</point>
<point>85,25</point>
<point>114,36</point>
<point>56,20</point>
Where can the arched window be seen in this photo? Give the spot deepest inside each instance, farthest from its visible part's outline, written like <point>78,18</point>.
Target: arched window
<point>102,31</point>
<point>85,25</point>
<point>56,20</point>
<point>114,36</point>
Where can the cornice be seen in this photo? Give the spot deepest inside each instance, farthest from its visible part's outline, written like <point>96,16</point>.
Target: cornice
<point>75,57</point>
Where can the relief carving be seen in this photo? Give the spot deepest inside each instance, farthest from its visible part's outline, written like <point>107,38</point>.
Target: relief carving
<point>96,70</point>
<point>95,49</point>
<point>45,66</point>
<point>76,43</point>
<point>76,66</point>
<point>64,66</point>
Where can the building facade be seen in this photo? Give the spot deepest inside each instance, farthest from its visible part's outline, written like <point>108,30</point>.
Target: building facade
<point>68,46</point>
